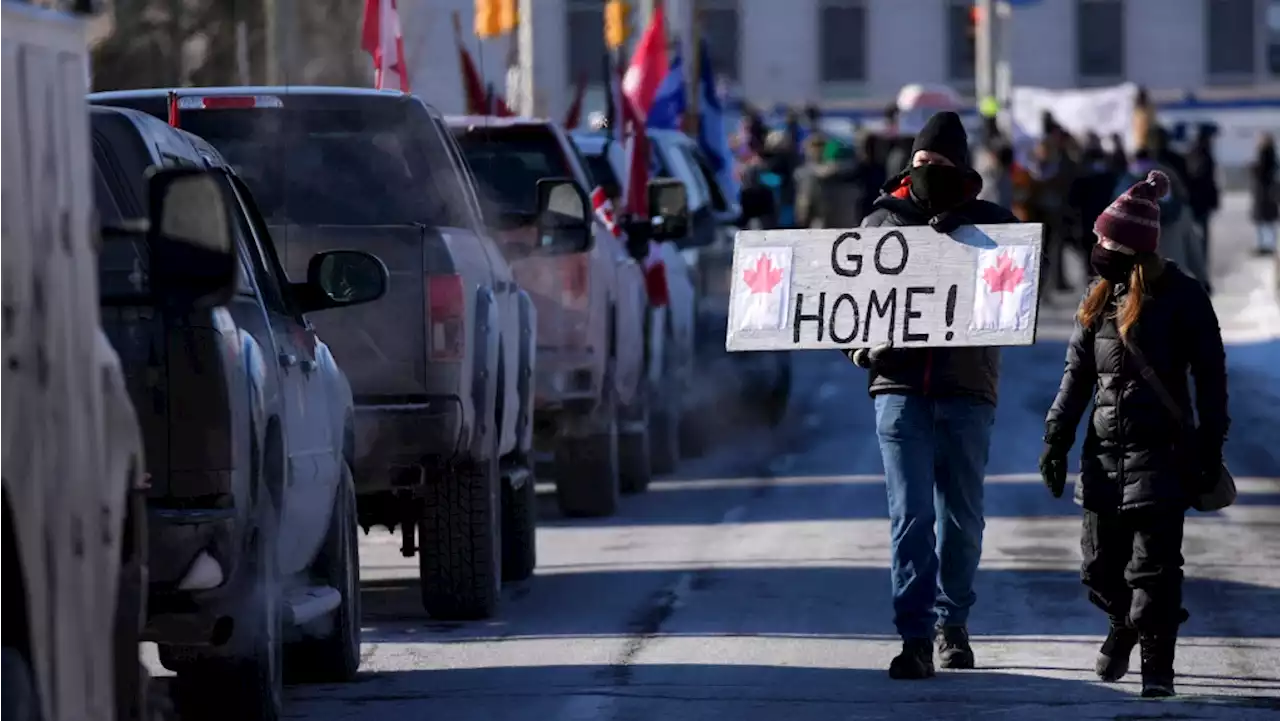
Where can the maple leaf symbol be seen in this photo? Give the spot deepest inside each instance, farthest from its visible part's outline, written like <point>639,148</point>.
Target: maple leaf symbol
<point>764,277</point>
<point>1003,277</point>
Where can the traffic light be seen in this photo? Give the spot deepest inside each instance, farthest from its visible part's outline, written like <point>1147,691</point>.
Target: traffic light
<point>495,17</point>
<point>617,23</point>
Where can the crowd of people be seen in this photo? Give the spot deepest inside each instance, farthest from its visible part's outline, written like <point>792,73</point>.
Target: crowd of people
<point>798,176</point>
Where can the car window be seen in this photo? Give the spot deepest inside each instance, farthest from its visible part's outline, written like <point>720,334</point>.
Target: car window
<point>684,172</point>
<point>272,281</point>
<point>373,163</point>
<point>508,162</point>
<point>699,161</point>
<point>601,172</point>
<point>123,263</point>
<point>466,180</point>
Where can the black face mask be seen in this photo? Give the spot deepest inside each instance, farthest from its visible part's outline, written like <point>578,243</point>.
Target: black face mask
<point>1112,265</point>
<point>939,188</point>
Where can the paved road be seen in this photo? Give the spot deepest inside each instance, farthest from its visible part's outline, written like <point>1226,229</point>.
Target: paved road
<point>754,585</point>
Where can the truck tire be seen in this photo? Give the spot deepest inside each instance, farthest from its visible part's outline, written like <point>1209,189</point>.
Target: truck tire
<point>248,682</point>
<point>335,657</point>
<point>519,530</point>
<point>19,700</point>
<point>635,463</point>
<point>460,541</point>
<point>586,473</point>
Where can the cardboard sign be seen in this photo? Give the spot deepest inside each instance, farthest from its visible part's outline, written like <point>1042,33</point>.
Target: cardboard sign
<point>814,289</point>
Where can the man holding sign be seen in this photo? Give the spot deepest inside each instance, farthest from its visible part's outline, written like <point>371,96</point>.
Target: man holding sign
<point>934,412</point>
<point>921,296</point>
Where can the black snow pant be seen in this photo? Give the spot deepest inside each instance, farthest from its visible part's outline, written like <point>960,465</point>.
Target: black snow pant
<point>1133,566</point>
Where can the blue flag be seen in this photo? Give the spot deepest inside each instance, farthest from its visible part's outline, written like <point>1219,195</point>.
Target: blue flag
<point>713,135</point>
<point>670,103</point>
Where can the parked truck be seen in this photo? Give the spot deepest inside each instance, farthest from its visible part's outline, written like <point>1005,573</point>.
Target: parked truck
<point>442,366</point>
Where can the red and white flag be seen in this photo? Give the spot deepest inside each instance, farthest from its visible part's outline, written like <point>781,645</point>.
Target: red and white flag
<point>383,40</point>
<point>603,207</point>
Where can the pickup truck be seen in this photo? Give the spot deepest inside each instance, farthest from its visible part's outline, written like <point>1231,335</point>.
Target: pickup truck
<point>672,328</point>
<point>442,367</point>
<point>74,568</point>
<point>591,395</point>
<point>246,421</point>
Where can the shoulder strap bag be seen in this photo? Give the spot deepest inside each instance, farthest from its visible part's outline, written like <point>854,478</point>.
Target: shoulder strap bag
<point>1223,493</point>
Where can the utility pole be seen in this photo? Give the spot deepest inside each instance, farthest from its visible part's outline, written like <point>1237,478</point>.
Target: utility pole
<point>695,63</point>
<point>527,98</point>
<point>985,50</point>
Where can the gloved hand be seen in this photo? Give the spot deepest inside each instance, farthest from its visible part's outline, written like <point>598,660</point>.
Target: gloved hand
<point>1053,469</point>
<point>870,358</point>
<point>1209,469</point>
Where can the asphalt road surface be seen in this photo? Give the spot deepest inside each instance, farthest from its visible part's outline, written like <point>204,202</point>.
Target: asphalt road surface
<point>754,583</point>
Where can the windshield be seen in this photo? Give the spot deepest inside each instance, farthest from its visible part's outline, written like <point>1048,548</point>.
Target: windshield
<point>364,165</point>
<point>508,163</point>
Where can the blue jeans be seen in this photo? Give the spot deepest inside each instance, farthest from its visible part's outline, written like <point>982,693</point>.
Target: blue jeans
<point>935,457</point>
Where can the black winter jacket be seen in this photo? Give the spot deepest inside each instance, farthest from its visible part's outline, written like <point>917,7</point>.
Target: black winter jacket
<point>937,372</point>
<point>1134,453</point>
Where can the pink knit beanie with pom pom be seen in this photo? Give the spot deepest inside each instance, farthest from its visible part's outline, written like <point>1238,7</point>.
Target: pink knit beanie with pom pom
<point>1133,219</point>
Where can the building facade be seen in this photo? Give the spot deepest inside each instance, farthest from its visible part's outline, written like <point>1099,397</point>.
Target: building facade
<point>861,52</point>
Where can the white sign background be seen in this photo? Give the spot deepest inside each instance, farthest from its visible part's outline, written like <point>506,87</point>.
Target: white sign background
<point>921,286</point>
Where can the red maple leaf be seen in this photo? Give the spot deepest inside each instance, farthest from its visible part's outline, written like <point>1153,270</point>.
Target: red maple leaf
<point>764,277</point>
<point>1003,277</point>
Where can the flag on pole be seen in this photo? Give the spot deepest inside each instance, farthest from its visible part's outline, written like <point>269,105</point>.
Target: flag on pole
<point>669,102</point>
<point>384,41</point>
<point>648,65</point>
<point>713,136</point>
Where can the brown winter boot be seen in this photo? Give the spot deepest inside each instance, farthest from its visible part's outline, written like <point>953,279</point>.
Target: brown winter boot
<point>1157,664</point>
<point>1113,657</point>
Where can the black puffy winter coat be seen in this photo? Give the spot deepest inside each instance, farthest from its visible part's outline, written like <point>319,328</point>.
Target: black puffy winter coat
<point>972,371</point>
<point>1135,454</point>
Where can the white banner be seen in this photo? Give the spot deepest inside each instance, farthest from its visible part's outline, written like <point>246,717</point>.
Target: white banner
<point>1105,111</point>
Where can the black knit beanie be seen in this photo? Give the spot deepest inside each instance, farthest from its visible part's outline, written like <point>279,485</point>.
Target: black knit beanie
<point>945,135</point>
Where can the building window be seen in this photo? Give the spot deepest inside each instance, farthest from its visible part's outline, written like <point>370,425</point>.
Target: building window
<point>1273,37</point>
<point>1099,40</point>
<point>1231,39</point>
<point>962,40</point>
<point>586,40</point>
<point>842,41</point>
<point>720,28</point>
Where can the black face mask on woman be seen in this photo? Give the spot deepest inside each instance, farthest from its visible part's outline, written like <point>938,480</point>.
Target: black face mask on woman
<point>1112,265</point>
<point>938,187</point>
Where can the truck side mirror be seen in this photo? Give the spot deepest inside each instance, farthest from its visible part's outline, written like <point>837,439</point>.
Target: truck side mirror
<point>564,217</point>
<point>190,238</point>
<point>668,209</point>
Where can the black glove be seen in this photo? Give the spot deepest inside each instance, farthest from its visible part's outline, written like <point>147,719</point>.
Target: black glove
<point>1053,469</point>
<point>872,359</point>
<point>1209,470</point>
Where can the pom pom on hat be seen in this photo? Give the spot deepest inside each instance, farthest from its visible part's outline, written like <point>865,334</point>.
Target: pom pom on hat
<point>1159,183</point>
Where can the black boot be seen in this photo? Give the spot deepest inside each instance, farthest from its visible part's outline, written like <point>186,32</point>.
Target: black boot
<point>953,647</point>
<point>915,661</point>
<point>1113,658</point>
<point>1157,664</point>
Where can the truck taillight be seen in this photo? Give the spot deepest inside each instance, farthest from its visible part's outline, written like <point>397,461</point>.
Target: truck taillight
<point>227,102</point>
<point>446,318</point>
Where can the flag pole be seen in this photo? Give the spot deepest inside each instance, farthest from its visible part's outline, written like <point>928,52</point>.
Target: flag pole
<point>695,86</point>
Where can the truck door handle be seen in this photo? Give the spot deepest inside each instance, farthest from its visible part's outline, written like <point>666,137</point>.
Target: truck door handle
<point>288,360</point>
<point>308,366</point>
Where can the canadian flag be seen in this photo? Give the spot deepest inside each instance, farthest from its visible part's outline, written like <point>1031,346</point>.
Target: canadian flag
<point>383,40</point>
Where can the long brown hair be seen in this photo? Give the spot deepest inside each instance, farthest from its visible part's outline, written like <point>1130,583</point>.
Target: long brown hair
<point>1145,270</point>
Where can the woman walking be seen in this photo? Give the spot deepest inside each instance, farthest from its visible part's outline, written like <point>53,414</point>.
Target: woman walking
<point>1265,188</point>
<point>1141,327</point>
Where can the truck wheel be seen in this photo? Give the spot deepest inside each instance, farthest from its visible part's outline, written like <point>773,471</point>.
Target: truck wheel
<point>460,541</point>
<point>335,657</point>
<point>635,466</point>
<point>664,435</point>
<point>519,530</point>
<point>248,683</point>
<point>20,701</point>
<point>586,472</point>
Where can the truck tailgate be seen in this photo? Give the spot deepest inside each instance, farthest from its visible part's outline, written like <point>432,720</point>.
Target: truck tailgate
<point>381,346</point>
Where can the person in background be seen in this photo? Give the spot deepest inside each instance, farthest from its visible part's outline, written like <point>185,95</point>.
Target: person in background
<point>1202,183</point>
<point>812,181</point>
<point>934,412</point>
<point>868,177</point>
<point>782,158</point>
<point>1144,116</point>
<point>813,122</point>
<point>1179,236</point>
<point>1091,192</point>
<point>1053,175</point>
<point>994,163</point>
<point>896,152</point>
<point>1140,465</point>
<point>1158,147</point>
<point>1265,189</point>
<point>1117,158</point>
<point>757,195</point>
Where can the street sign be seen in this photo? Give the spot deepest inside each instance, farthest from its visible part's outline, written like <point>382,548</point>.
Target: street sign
<point>832,288</point>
